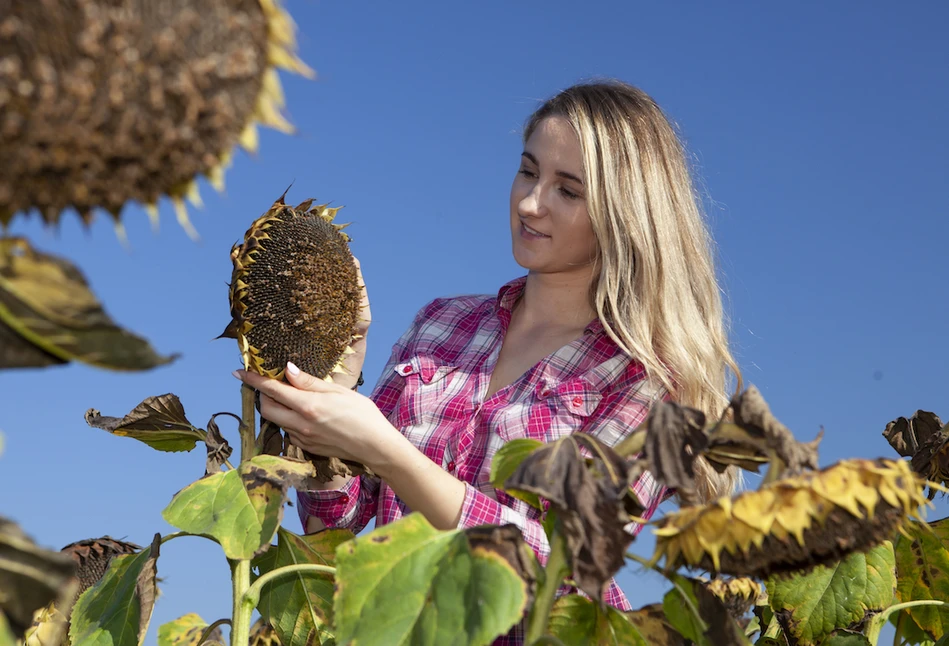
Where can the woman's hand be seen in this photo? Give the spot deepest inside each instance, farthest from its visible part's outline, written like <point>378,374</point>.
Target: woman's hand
<point>325,418</point>
<point>353,363</point>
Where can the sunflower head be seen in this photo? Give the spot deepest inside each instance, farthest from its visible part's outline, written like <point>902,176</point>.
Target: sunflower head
<point>796,523</point>
<point>294,292</point>
<point>104,102</point>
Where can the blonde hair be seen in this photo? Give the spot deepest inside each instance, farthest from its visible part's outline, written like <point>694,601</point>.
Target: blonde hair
<point>656,293</point>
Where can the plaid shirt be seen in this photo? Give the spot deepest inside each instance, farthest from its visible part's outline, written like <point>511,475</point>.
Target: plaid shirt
<point>433,388</point>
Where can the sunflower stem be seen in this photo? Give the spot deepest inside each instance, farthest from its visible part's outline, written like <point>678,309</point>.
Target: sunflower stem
<point>207,631</point>
<point>877,623</point>
<point>558,567</point>
<point>248,423</point>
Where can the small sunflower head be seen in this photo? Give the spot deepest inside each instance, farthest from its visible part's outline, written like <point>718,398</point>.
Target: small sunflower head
<point>294,293</point>
<point>795,523</point>
<point>737,594</point>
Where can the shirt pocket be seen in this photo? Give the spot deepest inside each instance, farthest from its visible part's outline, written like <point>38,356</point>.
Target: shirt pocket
<point>555,411</point>
<point>425,382</point>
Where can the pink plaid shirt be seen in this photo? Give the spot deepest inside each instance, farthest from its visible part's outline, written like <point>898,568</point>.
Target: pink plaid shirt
<point>433,389</point>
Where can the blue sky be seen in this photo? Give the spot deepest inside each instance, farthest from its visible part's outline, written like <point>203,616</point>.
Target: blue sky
<point>819,140</point>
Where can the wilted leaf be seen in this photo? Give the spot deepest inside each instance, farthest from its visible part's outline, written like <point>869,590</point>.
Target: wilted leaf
<point>907,436</point>
<point>300,606</point>
<point>186,631</point>
<point>589,502</point>
<point>812,606</point>
<point>46,300</point>
<point>241,508</point>
<point>507,542</point>
<point>654,628</point>
<point>922,563</point>
<point>577,621</point>
<point>271,438</point>
<point>31,578</point>
<point>218,448</point>
<point>756,435</point>
<point>446,592</point>
<point>675,437</point>
<point>159,422</point>
<point>713,626</point>
<point>506,461</point>
<point>116,611</point>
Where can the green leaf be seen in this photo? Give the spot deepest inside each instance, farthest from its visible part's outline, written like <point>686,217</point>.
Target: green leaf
<point>923,566</point>
<point>846,638</point>
<point>506,461</point>
<point>186,631</point>
<point>116,611</point>
<point>46,301</point>
<point>577,621</point>
<point>159,422</point>
<point>6,634</point>
<point>241,508</point>
<point>811,606</point>
<point>679,613</point>
<point>300,606</point>
<point>408,583</point>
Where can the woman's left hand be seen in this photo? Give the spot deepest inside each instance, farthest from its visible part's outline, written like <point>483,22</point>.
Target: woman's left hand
<point>323,418</point>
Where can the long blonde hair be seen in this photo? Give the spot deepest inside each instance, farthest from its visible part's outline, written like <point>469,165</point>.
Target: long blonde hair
<point>656,293</point>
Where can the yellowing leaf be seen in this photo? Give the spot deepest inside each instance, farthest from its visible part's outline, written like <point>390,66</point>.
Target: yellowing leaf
<point>577,621</point>
<point>922,563</point>
<point>159,422</point>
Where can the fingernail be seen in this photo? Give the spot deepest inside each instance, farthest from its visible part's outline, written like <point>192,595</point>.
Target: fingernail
<point>292,368</point>
<point>237,375</point>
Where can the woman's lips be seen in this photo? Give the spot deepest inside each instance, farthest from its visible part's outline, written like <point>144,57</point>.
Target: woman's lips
<point>527,232</point>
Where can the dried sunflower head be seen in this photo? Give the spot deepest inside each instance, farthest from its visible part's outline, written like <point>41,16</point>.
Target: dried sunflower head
<point>737,594</point>
<point>103,102</point>
<point>294,292</point>
<point>792,524</point>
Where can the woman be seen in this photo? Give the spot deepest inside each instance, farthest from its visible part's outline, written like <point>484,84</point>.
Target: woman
<point>619,308</point>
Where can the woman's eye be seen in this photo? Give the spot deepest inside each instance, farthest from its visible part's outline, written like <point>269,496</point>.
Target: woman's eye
<point>525,172</point>
<point>567,193</point>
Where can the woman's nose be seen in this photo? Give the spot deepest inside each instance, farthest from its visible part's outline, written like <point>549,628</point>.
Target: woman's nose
<point>532,205</point>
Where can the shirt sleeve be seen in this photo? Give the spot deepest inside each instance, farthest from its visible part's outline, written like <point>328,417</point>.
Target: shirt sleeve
<point>354,505</point>
<point>616,417</point>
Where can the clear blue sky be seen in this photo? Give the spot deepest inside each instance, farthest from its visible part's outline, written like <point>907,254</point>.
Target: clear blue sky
<point>820,141</point>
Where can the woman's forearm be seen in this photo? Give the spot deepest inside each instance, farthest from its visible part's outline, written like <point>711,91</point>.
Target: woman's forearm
<point>421,484</point>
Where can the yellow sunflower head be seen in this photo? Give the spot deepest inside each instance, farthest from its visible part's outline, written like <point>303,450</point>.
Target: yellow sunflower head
<point>792,524</point>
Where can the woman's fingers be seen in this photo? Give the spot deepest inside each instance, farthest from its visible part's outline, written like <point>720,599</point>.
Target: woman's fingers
<point>365,314</point>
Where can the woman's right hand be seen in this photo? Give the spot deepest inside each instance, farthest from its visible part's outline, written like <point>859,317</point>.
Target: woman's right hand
<point>353,363</point>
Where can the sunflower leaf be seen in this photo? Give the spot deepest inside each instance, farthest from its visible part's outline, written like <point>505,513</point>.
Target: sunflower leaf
<point>447,592</point>
<point>300,607</point>
<point>577,621</point>
<point>242,508</point>
<point>654,628</point>
<point>922,563</point>
<point>506,461</point>
<point>812,606</point>
<point>159,422</point>
<point>116,611</point>
<point>186,631</point>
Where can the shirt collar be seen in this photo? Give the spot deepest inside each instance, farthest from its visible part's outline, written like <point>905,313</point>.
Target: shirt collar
<point>510,292</point>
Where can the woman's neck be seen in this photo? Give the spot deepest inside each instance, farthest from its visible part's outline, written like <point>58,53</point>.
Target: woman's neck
<point>555,301</point>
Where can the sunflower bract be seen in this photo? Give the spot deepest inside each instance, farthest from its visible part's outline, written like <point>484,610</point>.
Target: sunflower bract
<point>812,519</point>
<point>295,294</point>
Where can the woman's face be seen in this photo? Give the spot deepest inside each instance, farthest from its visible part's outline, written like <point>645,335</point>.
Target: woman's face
<point>550,226</point>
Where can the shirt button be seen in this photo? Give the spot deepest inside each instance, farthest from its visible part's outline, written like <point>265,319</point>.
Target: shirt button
<point>545,392</point>
<point>406,370</point>
<point>451,466</point>
<point>577,400</point>
<point>344,499</point>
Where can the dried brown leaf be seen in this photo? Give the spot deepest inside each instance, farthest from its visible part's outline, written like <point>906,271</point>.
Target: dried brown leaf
<point>158,421</point>
<point>589,499</point>
<point>675,437</point>
<point>218,448</point>
<point>17,352</point>
<point>652,624</point>
<point>907,436</point>
<point>271,438</point>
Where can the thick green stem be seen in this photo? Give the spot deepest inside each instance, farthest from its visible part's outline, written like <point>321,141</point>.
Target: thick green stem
<point>252,595</point>
<point>240,570</point>
<point>558,567</point>
<point>248,423</point>
<point>240,624</point>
